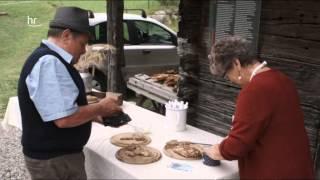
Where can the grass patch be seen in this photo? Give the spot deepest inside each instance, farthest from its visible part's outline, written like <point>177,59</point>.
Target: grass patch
<point>18,39</point>
<point>17,42</point>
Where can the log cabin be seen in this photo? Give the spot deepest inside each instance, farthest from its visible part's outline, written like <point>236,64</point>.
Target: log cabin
<point>286,34</point>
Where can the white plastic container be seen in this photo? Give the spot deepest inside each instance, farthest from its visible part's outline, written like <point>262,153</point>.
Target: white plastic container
<point>176,119</point>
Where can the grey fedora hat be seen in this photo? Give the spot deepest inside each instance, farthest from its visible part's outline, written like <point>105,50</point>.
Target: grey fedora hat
<point>73,18</point>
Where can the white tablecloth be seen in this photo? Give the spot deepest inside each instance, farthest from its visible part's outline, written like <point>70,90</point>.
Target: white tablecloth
<point>12,115</point>
<point>100,153</point>
<point>101,162</point>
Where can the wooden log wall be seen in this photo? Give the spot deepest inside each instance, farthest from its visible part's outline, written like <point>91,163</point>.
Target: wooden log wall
<point>187,50</point>
<point>289,40</point>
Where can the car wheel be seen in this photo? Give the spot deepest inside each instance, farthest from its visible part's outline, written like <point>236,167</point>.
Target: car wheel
<point>99,81</point>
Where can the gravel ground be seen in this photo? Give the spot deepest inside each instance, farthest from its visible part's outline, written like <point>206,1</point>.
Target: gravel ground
<point>11,158</point>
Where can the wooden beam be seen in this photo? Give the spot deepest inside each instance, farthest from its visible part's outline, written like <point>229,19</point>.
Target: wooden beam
<point>115,38</point>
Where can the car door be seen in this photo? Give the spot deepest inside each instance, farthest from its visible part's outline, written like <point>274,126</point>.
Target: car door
<point>152,48</point>
<point>99,31</point>
<point>99,36</point>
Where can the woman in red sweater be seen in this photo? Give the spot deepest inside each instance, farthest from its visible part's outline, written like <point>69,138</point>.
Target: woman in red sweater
<point>267,137</point>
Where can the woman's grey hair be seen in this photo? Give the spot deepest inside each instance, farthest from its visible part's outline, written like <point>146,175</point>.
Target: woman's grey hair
<point>226,50</point>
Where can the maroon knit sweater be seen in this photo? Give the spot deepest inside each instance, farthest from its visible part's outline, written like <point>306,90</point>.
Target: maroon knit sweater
<point>268,137</point>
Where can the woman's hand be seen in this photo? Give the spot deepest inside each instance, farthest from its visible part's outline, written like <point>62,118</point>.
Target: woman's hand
<point>213,152</point>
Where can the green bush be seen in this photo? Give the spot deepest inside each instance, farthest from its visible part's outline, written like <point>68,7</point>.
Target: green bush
<point>169,2</point>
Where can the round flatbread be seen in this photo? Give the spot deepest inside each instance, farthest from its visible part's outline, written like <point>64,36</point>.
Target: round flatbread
<point>183,150</point>
<point>125,139</point>
<point>137,154</point>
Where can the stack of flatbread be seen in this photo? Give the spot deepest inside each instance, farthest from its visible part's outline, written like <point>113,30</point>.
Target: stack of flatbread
<point>134,149</point>
<point>125,139</point>
<point>169,78</point>
<point>183,150</point>
<point>138,154</point>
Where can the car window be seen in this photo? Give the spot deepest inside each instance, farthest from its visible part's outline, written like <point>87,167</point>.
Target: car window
<point>125,33</point>
<point>150,33</point>
<point>99,32</point>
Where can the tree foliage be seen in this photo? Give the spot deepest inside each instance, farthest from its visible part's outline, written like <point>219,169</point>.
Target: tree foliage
<point>169,2</point>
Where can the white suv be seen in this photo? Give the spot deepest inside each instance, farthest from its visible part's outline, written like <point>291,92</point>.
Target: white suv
<point>149,46</point>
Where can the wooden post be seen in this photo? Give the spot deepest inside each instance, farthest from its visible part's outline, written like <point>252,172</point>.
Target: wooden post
<point>115,38</point>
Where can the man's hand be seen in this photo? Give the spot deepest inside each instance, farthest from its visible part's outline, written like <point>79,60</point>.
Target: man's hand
<point>213,152</point>
<point>109,107</point>
<point>105,108</point>
<point>117,96</point>
<point>98,119</point>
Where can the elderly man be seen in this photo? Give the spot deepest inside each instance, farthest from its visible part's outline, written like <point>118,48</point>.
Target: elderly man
<point>56,117</point>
